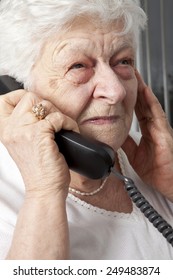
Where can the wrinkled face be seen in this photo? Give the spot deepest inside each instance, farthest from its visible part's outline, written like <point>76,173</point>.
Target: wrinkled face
<point>88,74</point>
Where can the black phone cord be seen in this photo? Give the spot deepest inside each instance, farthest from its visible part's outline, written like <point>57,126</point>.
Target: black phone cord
<point>145,207</point>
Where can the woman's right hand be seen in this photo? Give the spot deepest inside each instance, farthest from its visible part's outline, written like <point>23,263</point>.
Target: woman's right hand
<point>41,231</point>
<point>31,144</point>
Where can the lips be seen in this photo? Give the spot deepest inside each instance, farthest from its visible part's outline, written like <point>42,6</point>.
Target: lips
<point>101,120</point>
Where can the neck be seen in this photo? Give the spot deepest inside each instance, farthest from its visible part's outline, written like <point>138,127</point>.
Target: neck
<point>112,197</point>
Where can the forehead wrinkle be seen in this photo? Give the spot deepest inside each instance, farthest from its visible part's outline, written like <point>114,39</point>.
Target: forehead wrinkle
<point>90,47</point>
<point>72,43</point>
<point>71,46</point>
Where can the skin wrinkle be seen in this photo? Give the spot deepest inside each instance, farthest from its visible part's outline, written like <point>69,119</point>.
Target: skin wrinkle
<point>120,46</point>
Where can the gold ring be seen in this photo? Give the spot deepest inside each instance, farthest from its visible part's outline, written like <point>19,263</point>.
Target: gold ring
<point>39,111</point>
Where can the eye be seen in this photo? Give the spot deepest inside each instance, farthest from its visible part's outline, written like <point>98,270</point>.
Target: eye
<point>77,66</point>
<point>127,62</point>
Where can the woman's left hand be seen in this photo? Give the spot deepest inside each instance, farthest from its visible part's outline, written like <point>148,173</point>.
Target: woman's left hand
<point>152,159</point>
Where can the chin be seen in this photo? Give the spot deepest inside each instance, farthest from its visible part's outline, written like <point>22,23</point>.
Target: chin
<point>114,138</point>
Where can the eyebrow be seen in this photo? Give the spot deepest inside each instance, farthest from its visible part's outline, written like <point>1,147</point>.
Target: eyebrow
<point>123,45</point>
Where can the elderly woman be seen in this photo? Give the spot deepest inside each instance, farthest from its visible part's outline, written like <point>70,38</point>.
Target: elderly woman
<point>76,60</point>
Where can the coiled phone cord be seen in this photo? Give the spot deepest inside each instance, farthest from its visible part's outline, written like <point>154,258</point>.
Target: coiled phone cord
<point>145,207</point>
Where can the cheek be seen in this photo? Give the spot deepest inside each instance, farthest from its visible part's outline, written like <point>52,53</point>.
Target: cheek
<point>69,99</point>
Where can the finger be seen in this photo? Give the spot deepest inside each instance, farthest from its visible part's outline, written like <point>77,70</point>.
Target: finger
<point>9,101</point>
<point>129,147</point>
<point>141,83</point>
<point>57,121</point>
<point>148,103</point>
<point>148,109</point>
<point>26,103</point>
<point>24,111</point>
<point>142,106</point>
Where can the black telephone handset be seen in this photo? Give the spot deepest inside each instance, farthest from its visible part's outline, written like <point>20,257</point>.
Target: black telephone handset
<point>88,157</point>
<point>95,160</point>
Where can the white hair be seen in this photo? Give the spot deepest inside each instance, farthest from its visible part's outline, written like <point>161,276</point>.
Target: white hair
<point>25,25</point>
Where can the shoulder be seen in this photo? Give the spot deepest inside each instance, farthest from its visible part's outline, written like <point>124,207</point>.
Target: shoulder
<point>162,205</point>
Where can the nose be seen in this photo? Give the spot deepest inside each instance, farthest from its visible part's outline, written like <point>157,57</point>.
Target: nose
<point>108,86</point>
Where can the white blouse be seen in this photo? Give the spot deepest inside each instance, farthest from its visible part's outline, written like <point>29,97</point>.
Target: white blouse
<point>94,233</point>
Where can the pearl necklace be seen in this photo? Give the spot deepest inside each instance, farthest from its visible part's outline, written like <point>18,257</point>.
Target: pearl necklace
<point>88,193</point>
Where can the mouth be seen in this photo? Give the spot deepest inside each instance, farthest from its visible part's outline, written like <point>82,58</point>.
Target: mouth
<point>101,120</point>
